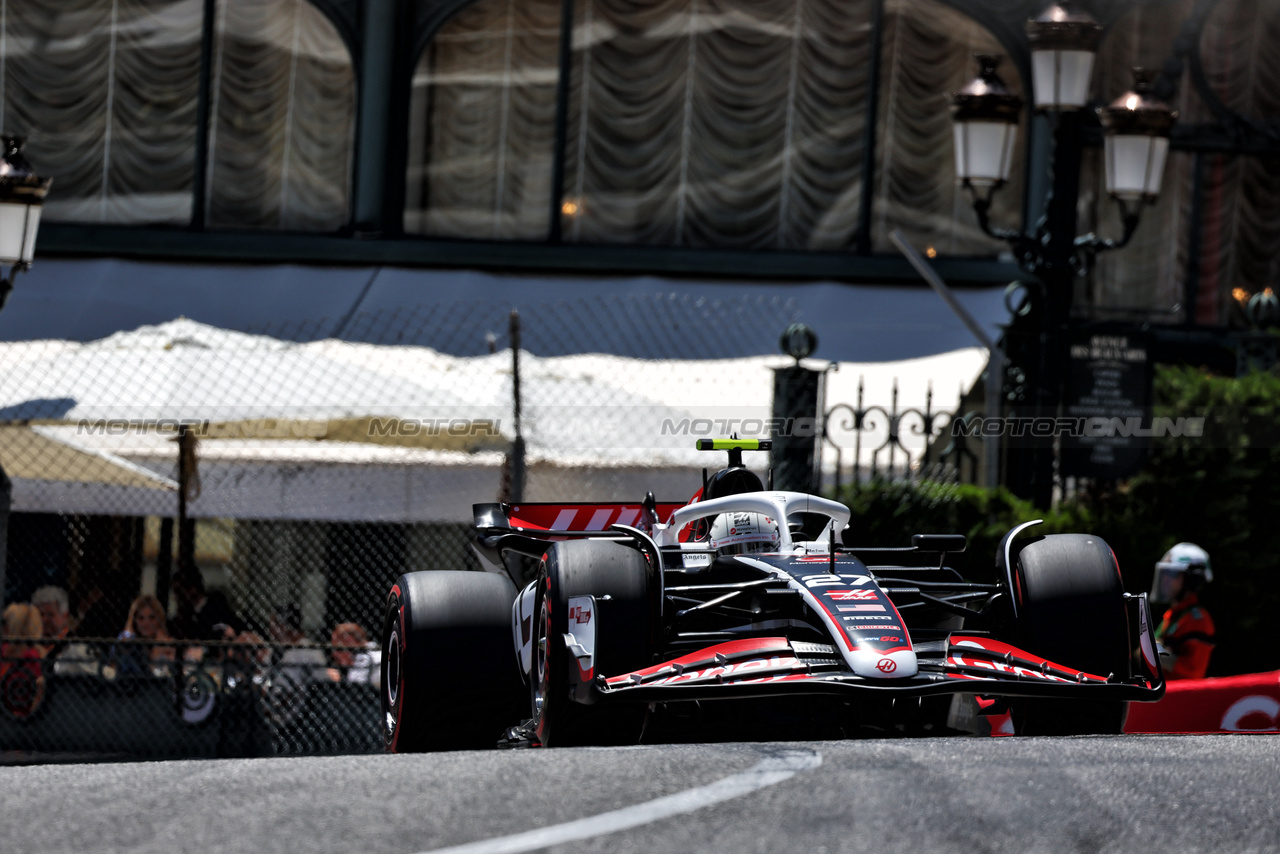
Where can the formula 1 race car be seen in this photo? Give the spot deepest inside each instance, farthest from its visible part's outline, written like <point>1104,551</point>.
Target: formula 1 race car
<point>613,623</point>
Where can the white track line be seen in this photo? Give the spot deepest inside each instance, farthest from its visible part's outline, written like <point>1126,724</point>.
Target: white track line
<point>769,771</point>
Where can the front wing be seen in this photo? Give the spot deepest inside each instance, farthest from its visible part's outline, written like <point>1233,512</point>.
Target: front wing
<point>762,667</point>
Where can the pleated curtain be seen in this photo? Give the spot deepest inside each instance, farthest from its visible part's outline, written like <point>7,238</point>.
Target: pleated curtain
<point>701,123</point>
<point>106,95</point>
<point>107,92</point>
<point>710,124</point>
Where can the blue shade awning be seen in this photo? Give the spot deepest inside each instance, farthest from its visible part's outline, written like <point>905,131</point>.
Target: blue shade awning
<point>460,311</point>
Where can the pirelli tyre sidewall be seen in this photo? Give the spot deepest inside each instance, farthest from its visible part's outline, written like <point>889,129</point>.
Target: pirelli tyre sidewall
<point>1071,610</point>
<point>618,577</point>
<point>449,679</point>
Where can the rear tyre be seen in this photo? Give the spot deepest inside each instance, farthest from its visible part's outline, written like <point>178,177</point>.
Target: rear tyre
<point>1071,611</point>
<point>623,627</point>
<point>449,674</point>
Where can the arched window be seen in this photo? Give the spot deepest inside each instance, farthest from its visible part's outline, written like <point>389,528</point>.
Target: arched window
<point>482,124</point>
<point>1195,259</point>
<point>727,124</point>
<point>1148,273</point>
<point>738,124</point>
<point>108,94</point>
<point>283,117</point>
<point>927,53</point>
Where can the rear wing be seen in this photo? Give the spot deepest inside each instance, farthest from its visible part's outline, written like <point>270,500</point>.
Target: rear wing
<point>509,536</point>
<point>550,519</point>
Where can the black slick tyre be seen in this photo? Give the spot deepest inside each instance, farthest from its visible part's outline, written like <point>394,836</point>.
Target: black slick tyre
<point>1071,610</point>
<point>449,674</point>
<point>618,577</point>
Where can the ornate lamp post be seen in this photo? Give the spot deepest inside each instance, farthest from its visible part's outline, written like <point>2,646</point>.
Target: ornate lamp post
<point>22,194</point>
<point>986,114</point>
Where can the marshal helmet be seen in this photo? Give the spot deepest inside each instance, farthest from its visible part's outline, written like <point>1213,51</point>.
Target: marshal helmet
<point>1183,569</point>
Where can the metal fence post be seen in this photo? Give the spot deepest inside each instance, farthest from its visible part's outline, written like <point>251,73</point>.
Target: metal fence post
<point>517,446</point>
<point>6,490</point>
<point>797,404</point>
<point>188,488</point>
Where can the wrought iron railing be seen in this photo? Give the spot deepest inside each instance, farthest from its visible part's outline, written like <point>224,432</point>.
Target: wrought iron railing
<point>875,436</point>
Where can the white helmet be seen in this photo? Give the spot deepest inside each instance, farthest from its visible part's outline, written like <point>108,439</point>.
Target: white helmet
<point>1183,569</point>
<point>744,533</point>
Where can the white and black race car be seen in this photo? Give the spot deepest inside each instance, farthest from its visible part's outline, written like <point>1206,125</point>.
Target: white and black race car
<point>613,623</point>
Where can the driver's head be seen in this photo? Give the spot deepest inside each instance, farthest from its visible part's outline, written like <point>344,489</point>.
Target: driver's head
<point>744,533</point>
<point>1183,569</point>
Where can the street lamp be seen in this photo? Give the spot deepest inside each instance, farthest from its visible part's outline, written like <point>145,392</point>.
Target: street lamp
<point>1136,127</point>
<point>986,127</point>
<point>1063,43</point>
<point>22,195</point>
<point>1137,143</point>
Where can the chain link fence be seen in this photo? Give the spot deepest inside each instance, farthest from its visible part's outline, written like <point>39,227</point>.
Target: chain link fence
<point>204,523</point>
<point>207,521</point>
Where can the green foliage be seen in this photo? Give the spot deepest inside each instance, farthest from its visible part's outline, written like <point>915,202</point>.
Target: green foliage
<point>1220,490</point>
<point>888,513</point>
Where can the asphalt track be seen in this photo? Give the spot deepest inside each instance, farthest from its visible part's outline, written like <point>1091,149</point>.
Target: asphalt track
<point>1089,794</point>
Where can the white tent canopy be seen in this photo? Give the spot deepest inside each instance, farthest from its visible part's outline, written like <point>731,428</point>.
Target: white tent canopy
<point>339,430</point>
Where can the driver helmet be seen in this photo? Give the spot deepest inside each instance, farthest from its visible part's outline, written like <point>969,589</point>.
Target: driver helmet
<point>744,533</point>
<point>1183,569</point>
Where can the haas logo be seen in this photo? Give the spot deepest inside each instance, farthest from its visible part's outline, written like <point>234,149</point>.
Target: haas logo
<point>886,665</point>
<point>853,595</point>
<point>580,615</point>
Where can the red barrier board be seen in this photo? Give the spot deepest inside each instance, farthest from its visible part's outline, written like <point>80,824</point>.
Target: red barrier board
<point>1249,703</point>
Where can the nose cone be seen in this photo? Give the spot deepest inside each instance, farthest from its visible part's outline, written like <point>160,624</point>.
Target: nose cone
<point>872,663</point>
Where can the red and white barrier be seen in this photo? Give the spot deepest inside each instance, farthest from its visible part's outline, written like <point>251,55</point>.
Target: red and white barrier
<point>1248,703</point>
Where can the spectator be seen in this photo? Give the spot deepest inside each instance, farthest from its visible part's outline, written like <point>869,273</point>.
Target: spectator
<point>297,663</point>
<point>354,665</point>
<point>146,621</point>
<point>21,665</point>
<point>67,654</point>
<point>55,615</point>
<point>202,615</point>
<point>297,658</point>
<point>98,614</point>
<point>246,658</point>
<point>1186,634</point>
<point>242,731</point>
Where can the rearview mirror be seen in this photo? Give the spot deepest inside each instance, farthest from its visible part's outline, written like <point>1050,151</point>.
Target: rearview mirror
<point>939,542</point>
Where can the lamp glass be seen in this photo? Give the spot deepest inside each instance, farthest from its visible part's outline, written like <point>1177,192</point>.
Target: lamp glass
<point>18,225</point>
<point>1060,78</point>
<point>984,151</point>
<point>1135,165</point>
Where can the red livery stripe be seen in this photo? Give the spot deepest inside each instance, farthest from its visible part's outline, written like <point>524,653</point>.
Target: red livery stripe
<point>581,517</point>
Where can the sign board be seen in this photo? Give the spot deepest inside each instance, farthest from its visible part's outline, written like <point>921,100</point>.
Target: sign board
<point>1108,400</point>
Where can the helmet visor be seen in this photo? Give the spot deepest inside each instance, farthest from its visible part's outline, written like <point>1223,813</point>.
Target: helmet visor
<point>746,547</point>
<point>1168,583</point>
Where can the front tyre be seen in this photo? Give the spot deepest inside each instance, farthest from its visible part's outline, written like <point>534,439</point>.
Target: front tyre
<point>449,678</point>
<point>618,578</point>
<point>1071,611</point>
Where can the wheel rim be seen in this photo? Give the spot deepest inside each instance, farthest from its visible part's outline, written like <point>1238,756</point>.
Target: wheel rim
<point>393,669</point>
<point>542,674</point>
